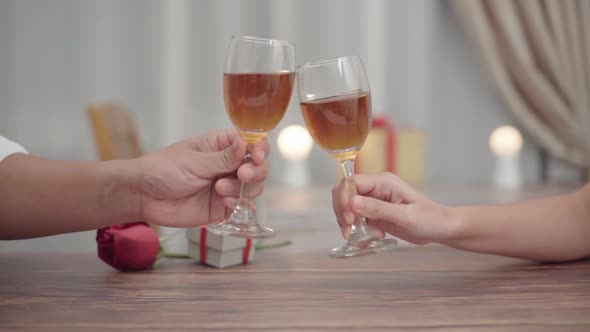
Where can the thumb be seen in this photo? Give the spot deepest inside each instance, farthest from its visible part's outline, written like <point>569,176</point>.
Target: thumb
<point>376,209</point>
<point>227,160</point>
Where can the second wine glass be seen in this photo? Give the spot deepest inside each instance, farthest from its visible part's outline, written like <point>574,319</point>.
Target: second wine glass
<point>257,84</point>
<point>335,101</point>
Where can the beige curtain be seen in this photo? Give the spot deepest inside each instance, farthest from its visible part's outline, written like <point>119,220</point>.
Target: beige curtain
<point>538,53</point>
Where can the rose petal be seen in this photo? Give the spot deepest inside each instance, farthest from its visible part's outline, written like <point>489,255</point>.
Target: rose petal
<point>131,246</point>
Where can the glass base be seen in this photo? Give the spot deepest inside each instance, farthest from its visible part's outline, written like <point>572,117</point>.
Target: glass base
<point>249,231</point>
<point>242,224</point>
<point>362,247</point>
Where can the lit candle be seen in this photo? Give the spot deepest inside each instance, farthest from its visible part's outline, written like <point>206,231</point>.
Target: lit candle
<point>506,144</point>
<point>295,144</point>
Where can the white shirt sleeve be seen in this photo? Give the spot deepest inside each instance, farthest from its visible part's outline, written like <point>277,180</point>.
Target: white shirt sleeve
<point>7,148</point>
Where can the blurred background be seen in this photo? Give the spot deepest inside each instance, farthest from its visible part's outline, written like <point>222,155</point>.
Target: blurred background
<point>163,62</point>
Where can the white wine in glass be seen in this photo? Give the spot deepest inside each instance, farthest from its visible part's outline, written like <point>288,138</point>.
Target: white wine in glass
<point>335,100</point>
<point>256,103</point>
<point>257,87</point>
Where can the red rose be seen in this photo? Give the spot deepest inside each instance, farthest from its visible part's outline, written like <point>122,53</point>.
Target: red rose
<point>131,246</point>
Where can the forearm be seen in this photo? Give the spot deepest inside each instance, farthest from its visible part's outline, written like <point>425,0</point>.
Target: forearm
<point>549,229</point>
<point>40,197</point>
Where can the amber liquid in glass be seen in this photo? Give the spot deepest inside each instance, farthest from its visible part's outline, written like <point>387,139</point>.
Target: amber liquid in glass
<point>256,102</point>
<point>339,124</point>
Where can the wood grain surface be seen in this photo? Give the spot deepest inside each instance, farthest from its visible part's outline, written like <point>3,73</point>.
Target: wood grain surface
<point>293,289</point>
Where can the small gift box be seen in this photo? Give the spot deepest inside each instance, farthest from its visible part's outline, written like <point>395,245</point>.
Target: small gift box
<point>218,251</point>
<point>410,155</point>
<point>378,153</point>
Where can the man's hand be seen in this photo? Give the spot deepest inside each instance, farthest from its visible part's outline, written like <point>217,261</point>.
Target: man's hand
<point>197,181</point>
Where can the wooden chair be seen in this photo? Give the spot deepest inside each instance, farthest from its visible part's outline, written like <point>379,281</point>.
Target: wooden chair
<point>115,133</point>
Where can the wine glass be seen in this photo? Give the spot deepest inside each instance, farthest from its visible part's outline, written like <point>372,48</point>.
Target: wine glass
<point>336,104</point>
<point>257,84</point>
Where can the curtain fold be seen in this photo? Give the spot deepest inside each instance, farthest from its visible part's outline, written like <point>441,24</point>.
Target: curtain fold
<point>538,54</point>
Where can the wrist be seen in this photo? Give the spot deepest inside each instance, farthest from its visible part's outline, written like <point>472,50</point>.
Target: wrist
<point>120,192</point>
<point>458,226</point>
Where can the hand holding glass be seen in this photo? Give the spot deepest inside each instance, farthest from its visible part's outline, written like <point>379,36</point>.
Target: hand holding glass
<point>258,83</point>
<point>336,104</point>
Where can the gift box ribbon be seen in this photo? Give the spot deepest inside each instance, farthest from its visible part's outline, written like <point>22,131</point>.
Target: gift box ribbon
<point>382,122</point>
<point>203,244</point>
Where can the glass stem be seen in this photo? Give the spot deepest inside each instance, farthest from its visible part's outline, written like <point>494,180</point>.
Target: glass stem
<point>245,202</point>
<point>358,230</point>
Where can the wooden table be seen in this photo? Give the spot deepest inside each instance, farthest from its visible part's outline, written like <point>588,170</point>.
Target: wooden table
<point>299,287</point>
<point>288,289</point>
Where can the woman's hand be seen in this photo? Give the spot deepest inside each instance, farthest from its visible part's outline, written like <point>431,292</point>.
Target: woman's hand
<point>392,206</point>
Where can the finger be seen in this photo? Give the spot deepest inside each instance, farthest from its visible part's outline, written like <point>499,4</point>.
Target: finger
<point>232,202</point>
<point>386,186</point>
<point>230,187</point>
<point>397,232</point>
<point>251,173</point>
<point>214,141</point>
<point>344,215</point>
<point>213,164</point>
<point>260,151</point>
<point>344,198</point>
<point>384,226</point>
<point>372,208</point>
<point>345,231</point>
<point>340,205</point>
<point>217,209</point>
<point>376,230</point>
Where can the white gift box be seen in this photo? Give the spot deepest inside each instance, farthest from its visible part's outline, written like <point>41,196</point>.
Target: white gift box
<point>221,259</point>
<point>215,241</point>
<point>221,251</point>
